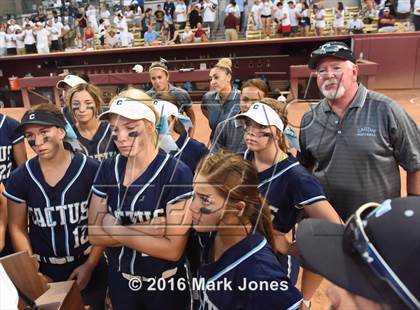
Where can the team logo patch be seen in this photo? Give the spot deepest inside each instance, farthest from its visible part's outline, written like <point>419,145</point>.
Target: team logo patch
<point>31,116</point>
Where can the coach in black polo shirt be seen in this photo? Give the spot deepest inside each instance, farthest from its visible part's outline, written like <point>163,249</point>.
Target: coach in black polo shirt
<point>355,139</point>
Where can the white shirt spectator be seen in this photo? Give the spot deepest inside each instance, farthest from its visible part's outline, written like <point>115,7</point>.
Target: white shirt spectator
<point>106,16</point>
<point>356,24</point>
<point>10,40</point>
<point>42,41</point>
<point>209,14</point>
<point>237,10</point>
<point>59,26</point>
<point>256,14</point>
<point>294,21</point>
<point>266,8</point>
<point>53,32</point>
<point>2,39</point>
<point>14,27</point>
<point>338,18</point>
<point>299,7</point>
<point>126,2</point>
<point>286,17</point>
<point>91,17</point>
<point>320,23</point>
<point>403,6</point>
<point>181,9</point>
<point>113,41</point>
<point>29,37</point>
<point>19,40</point>
<point>417,7</point>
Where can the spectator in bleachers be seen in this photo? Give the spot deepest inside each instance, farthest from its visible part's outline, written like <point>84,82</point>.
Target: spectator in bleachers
<point>231,24</point>
<point>386,22</point>
<point>105,14</point>
<point>20,45</point>
<point>29,39</point>
<point>241,6</point>
<point>187,36</point>
<point>10,42</point>
<point>181,14</point>
<point>266,11</point>
<point>27,21</point>
<point>68,35</point>
<point>194,15</point>
<point>13,25</point>
<point>81,24</point>
<point>338,18</point>
<point>150,36</point>
<point>42,38</point>
<point>122,27</point>
<point>403,9</point>
<point>294,18</point>
<point>368,11</point>
<point>169,8</point>
<point>59,26</point>
<point>209,12</point>
<point>234,7</point>
<point>168,18</point>
<point>3,48</point>
<point>416,15</point>
<point>55,47</point>
<point>159,17</point>
<point>101,32</point>
<point>304,19</point>
<point>166,33</point>
<point>146,21</point>
<point>111,39</point>
<point>200,34</point>
<point>319,20</point>
<point>282,18</point>
<point>89,36</point>
<point>256,14</point>
<point>356,25</point>
<point>129,15</point>
<point>91,15</point>
<point>137,14</point>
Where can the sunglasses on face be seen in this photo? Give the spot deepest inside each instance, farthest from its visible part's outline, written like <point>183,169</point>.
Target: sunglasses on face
<point>356,241</point>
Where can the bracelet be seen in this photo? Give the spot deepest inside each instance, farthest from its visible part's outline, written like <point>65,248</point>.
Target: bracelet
<point>307,303</point>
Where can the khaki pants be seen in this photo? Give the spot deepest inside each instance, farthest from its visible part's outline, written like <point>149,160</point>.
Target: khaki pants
<point>231,35</point>
<point>21,51</point>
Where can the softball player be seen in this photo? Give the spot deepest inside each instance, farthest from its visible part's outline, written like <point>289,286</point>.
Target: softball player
<point>139,187</point>
<point>93,135</point>
<point>188,150</point>
<point>240,267</point>
<point>50,192</point>
<point>12,147</point>
<point>12,154</point>
<point>289,189</point>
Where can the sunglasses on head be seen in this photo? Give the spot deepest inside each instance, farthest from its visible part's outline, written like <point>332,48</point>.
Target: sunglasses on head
<point>329,48</point>
<point>356,241</point>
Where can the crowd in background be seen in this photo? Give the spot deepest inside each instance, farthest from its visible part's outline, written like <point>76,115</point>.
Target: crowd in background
<point>74,24</point>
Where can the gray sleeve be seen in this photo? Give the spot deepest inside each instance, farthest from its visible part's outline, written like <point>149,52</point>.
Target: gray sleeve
<point>184,100</point>
<point>305,157</point>
<point>404,136</point>
<point>218,139</point>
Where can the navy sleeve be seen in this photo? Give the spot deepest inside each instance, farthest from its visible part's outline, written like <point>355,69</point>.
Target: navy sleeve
<point>16,186</point>
<point>13,136</point>
<point>304,188</point>
<point>102,179</point>
<point>179,184</point>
